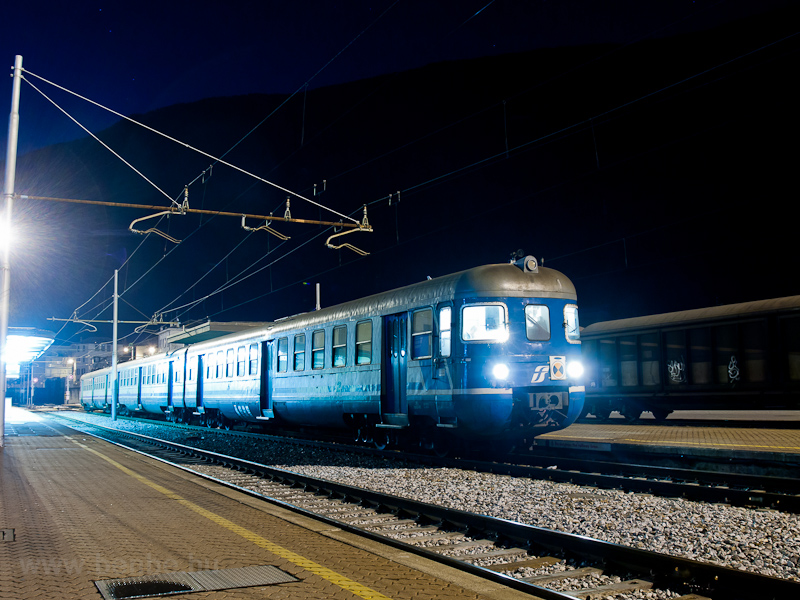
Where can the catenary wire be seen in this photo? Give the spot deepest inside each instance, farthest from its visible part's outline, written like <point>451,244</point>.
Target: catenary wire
<point>192,148</point>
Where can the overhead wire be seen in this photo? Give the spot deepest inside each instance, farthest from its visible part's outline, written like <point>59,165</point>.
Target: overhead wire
<point>97,139</point>
<point>189,147</point>
<point>227,286</point>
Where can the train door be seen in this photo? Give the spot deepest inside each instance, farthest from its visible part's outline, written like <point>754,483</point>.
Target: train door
<point>265,397</point>
<point>170,386</point>
<point>139,372</point>
<point>395,363</point>
<point>200,379</point>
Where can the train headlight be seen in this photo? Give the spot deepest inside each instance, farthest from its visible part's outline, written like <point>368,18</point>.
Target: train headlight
<point>575,369</point>
<point>500,371</point>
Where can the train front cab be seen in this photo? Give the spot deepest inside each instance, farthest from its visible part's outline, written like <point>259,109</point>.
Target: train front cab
<point>482,367</point>
<point>518,361</point>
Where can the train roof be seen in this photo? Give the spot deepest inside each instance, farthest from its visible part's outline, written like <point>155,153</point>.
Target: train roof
<point>499,280</point>
<point>695,316</point>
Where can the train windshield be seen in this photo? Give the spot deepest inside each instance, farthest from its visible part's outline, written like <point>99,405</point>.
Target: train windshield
<point>537,322</point>
<point>572,328</point>
<point>484,322</point>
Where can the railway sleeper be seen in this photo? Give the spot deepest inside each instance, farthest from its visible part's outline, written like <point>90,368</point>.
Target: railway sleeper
<point>533,563</point>
<point>613,588</point>
<point>427,538</point>
<point>364,519</point>
<point>356,514</point>
<point>380,526</point>
<point>466,545</point>
<point>495,553</point>
<point>572,573</point>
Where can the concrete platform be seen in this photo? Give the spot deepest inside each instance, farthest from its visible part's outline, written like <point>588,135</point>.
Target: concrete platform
<point>731,443</point>
<point>75,511</point>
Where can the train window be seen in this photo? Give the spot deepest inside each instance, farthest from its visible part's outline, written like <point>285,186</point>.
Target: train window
<point>790,328</point>
<point>700,356</point>
<point>300,352</point>
<point>754,351</point>
<point>340,346</point>
<point>229,362</point>
<point>253,359</point>
<point>445,330</point>
<point>572,328</point>
<point>318,349</point>
<point>628,369</point>
<point>364,342</point>
<point>422,333</point>
<point>675,344</point>
<point>649,359</point>
<point>608,363</point>
<point>241,360</point>
<point>220,363</point>
<point>484,322</point>
<point>537,322</point>
<point>726,354</point>
<point>210,366</point>
<point>283,355</point>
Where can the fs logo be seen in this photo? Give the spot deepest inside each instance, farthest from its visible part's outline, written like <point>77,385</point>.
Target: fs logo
<point>539,373</point>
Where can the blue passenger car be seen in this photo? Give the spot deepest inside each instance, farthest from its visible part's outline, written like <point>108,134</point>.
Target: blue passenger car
<point>487,353</point>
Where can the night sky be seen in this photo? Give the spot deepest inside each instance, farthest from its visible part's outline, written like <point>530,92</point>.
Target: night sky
<point>135,57</point>
<point>648,209</point>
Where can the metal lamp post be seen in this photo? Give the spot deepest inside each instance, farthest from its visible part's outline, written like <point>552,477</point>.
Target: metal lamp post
<point>5,265</point>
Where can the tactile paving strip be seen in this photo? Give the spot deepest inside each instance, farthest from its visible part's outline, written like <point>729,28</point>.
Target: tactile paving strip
<point>197,581</point>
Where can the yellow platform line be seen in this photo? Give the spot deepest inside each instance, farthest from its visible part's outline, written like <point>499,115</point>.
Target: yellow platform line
<point>329,575</point>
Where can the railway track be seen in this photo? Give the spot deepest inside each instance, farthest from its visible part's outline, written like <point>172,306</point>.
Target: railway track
<point>545,563</point>
<point>735,489</point>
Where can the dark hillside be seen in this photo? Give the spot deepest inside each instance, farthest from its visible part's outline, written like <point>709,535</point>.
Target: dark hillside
<point>658,176</point>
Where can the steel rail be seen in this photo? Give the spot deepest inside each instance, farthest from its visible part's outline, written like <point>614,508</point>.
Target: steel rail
<point>736,489</point>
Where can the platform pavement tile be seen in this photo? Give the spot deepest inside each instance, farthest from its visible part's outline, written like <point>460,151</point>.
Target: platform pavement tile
<point>101,525</point>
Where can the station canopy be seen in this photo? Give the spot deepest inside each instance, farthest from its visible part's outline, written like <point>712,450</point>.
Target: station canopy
<point>23,345</point>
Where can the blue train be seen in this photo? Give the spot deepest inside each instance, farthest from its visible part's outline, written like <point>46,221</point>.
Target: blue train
<point>491,353</point>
